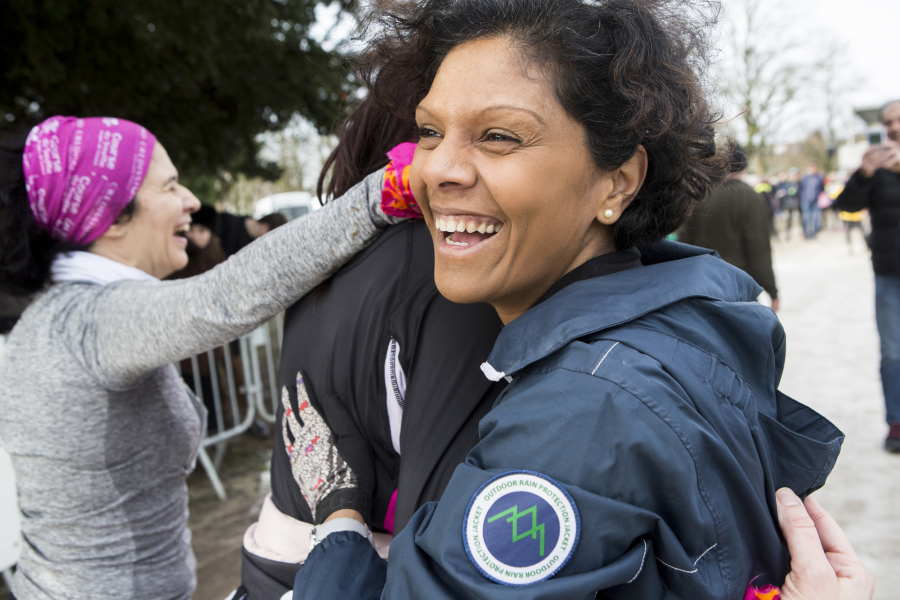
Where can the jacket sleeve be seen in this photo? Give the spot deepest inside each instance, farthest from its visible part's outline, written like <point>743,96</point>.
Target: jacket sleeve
<point>757,244</point>
<point>123,330</point>
<point>626,471</point>
<point>856,194</point>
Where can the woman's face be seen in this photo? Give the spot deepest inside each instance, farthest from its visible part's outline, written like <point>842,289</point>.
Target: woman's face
<point>152,240</point>
<point>200,235</point>
<point>497,153</point>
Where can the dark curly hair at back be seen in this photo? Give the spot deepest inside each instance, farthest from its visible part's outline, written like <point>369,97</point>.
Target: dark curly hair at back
<point>627,70</point>
<point>26,250</point>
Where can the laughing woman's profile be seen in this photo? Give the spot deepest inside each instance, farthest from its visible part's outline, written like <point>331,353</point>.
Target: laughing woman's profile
<point>637,449</point>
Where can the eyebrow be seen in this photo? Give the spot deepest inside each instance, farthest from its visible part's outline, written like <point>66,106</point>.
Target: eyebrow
<point>497,107</point>
<point>173,178</point>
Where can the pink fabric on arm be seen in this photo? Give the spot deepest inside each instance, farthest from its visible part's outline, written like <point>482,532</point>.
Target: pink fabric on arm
<point>766,592</point>
<point>81,173</point>
<point>389,516</point>
<point>397,199</point>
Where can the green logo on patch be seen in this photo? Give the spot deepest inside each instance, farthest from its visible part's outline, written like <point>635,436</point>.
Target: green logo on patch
<point>514,516</point>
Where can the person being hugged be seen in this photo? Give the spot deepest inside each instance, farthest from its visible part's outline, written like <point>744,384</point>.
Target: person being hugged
<point>638,447</point>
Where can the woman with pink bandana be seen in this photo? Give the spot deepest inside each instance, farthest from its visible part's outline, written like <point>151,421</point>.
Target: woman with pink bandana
<point>101,430</point>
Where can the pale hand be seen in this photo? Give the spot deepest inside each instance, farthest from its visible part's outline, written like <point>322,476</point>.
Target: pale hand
<point>884,156</point>
<point>823,563</point>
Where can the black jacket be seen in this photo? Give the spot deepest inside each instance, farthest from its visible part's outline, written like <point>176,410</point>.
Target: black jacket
<point>338,337</point>
<point>881,195</point>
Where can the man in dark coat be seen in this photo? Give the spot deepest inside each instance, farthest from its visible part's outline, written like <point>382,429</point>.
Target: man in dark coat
<point>734,223</point>
<point>876,186</point>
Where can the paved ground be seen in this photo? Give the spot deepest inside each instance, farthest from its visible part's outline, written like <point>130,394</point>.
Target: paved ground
<point>832,365</point>
<point>827,309</point>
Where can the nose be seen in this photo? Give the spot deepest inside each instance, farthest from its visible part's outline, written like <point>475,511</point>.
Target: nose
<point>449,165</point>
<point>191,203</point>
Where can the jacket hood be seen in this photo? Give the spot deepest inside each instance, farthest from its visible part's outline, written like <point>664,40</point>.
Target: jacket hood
<point>672,272</point>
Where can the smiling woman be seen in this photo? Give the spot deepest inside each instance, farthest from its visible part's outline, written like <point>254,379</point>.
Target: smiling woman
<point>637,448</point>
<point>152,238</point>
<point>591,109</point>
<point>497,151</point>
<point>100,428</point>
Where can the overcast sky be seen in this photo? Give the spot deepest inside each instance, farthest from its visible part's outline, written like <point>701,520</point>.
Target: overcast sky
<point>870,29</point>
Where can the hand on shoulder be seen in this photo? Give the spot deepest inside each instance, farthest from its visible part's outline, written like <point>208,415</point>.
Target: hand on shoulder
<point>823,563</point>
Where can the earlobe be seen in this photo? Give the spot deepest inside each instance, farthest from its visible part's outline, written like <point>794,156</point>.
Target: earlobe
<point>627,182</point>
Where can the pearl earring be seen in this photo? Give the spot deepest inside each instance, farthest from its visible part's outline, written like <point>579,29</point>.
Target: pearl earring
<point>608,213</point>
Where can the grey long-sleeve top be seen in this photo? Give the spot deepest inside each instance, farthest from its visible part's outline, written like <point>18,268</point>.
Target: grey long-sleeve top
<point>101,429</point>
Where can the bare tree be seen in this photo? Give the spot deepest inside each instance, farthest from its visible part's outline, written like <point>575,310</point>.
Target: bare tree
<point>299,150</point>
<point>835,81</point>
<point>762,74</point>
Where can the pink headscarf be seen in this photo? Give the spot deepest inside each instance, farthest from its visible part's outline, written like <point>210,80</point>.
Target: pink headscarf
<point>81,173</point>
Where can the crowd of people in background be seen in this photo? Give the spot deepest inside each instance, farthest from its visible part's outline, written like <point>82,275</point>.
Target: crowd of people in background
<point>806,202</point>
<point>865,200</point>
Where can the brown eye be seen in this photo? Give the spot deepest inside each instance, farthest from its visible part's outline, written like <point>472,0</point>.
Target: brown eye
<point>497,136</point>
<point>427,138</point>
<point>426,132</point>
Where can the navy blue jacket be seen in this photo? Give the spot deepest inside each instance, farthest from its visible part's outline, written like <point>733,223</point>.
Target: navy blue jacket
<point>649,397</point>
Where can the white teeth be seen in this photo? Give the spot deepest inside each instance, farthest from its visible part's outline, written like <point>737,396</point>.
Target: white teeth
<point>452,243</point>
<point>451,225</point>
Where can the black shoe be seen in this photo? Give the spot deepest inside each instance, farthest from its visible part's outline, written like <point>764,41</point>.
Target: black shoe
<point>892,443</point>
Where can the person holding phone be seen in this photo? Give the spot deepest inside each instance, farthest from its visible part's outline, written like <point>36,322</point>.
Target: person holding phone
<point>876,186</point>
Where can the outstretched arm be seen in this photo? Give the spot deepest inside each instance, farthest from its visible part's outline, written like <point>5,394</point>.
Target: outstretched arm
<point>130,328</point>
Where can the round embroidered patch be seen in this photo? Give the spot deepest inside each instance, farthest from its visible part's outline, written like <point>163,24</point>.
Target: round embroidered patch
<point>521,527</point>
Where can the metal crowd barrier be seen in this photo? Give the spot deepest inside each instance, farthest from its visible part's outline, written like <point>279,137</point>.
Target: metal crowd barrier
<point>241,390</point>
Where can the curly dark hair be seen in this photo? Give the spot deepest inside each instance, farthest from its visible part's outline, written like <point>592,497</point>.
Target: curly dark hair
<point>628,70</point>
<point>26,250</point>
